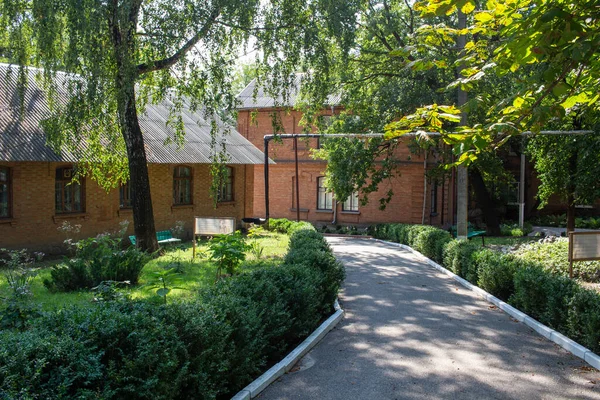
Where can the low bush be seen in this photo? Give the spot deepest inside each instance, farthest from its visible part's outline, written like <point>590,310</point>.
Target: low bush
<point>428,240</point>
<point>554,256</point>
<point>457,257</point>
<point>495,272</point>
<point>583,318</point>
<point>560,220</point>
<point>96,260</point>
<point>514,229</point>
<point>284,225</point>
<point>207,348</point>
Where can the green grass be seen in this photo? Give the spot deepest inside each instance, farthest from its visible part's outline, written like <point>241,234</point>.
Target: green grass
<point>194,273</point>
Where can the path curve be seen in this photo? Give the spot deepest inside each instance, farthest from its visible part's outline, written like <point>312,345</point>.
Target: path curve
<point>411,332</point>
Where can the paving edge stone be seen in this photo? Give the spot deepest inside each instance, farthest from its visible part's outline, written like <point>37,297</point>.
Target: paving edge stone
<point>566,343</point>
<point>285,365</point>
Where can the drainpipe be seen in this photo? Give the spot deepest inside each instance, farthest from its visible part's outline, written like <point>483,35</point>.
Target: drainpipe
<point>424,188</point>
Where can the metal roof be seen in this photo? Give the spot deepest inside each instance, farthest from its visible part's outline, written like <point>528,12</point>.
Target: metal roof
<point>264,100</point>
<point>23,139</point>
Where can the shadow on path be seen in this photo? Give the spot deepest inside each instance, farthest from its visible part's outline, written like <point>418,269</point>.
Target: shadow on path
<point>411,332</point>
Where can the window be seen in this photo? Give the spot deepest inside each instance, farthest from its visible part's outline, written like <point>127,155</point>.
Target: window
<point>434,197</point>
<point>125,196</point>
<point>226,187</point>
<point>68,193</point>
<point>324,198</point>
<point>351,203</point>
<point>182,185</point>
<point>5,193</point>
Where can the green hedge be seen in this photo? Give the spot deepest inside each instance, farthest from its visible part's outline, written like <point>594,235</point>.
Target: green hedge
<point>207,348</point>
<point>428,240</point>
<point>284,225</point>
<point>542,292</point>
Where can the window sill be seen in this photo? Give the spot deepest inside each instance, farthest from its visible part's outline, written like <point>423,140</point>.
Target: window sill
<point>301,210</point>
<point>6,221</point>
<point>350,212</point>
<point>182,207</point>
<point>225,203</point>
<point>325,211</point>
<point>125,211</point>
<point>62,217</point>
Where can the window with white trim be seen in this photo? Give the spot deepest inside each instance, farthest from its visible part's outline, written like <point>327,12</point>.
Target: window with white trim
<point>351,203</point>
<point>324,197</point>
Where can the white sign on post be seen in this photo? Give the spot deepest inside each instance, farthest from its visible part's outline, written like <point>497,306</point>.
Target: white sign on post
<point>583,246</point>
<point>209,226</point>
<point>214,226</point>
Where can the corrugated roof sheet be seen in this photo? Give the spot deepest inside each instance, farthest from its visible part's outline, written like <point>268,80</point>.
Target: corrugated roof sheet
<point>263,100</point>
<point>22,139</point>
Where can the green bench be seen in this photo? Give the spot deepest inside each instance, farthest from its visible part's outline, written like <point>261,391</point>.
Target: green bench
<point>471,233</point>
<point>163,237</point>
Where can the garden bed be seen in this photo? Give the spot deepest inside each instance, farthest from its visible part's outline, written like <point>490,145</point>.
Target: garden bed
<point>206,344</point>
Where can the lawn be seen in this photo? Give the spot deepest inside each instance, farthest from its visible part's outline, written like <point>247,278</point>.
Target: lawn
<point>188,276</point>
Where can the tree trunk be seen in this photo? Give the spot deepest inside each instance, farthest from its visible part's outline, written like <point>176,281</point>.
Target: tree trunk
<point>571,195</point>
<point>485,202</point>
<point>126,75</point>
<point>143,215</point>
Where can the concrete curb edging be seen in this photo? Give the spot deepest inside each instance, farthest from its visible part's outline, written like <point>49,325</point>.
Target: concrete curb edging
<point>285,365</point>
<point>566,343</point>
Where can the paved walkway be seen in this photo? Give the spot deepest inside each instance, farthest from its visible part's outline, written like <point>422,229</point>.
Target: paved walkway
<point>411,332</point>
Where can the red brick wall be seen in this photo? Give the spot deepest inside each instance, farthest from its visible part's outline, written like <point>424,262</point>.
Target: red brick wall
<point>406,205</point>
<point>34,223</point>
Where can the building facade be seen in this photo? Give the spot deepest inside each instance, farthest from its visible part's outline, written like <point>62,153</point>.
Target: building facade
<point>415,200</point>
<point>38,194</point>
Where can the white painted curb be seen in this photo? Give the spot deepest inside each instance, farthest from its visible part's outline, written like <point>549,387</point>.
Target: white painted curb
<point>566,343</point>
<point>285,365</point>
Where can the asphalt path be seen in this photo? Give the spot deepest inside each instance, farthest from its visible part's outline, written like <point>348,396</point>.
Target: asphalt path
<point>411,332</point>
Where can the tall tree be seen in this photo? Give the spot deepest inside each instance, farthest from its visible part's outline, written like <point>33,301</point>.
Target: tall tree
<point>121,54</point>
<point>549,47</point>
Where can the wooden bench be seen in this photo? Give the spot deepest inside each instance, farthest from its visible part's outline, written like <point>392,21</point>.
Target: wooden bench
<point>163,237</point>
<point>470,233</point>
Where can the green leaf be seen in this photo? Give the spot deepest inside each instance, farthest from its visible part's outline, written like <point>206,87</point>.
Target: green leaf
<point>483,16</point>
<point>468,7</point>
<point>162,292</point>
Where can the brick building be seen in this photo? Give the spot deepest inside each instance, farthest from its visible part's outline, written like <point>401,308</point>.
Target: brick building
<point>37,193</point>
<point>413,201</point>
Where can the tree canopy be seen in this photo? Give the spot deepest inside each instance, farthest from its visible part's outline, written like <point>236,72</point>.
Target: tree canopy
<point>121,54</point>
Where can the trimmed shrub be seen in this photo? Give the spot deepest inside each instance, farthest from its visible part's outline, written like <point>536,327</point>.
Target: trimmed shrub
<point>530,296</point>
<point>96,260</point>
<point>430,242</point>
<point>495,272</point>
<point>583,320</point>
<point>284,225</point>
<point>543,296</point>
<point>457,256</point>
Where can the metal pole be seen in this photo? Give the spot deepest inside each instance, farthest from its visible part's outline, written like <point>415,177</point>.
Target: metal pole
<point>522,187</point>
<point>266,152</point>
<point>297,180</point>
<point>462,177</point>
